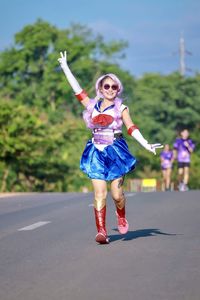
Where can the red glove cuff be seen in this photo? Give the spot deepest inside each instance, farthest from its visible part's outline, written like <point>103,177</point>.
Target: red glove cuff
<point>131,129</point>
<point>82,95</point>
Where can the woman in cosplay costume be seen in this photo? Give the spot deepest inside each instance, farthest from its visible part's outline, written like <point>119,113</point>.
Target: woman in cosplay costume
<point>106,156</point>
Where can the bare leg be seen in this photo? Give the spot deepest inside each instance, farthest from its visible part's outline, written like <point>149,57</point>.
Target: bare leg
<point>117,192</point>
<point>100,193</point>
<point>119,199</point>
<point>180,175</point>
<point>168,178</point>
<point>186,175</point>
<point>164,179</point>
<point>180,179</point>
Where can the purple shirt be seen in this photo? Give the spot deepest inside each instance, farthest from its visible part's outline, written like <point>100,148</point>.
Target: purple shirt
<point>166,162</point>
<point>183,154</point>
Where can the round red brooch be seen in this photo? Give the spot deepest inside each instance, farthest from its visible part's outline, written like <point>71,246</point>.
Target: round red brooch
<point>102,120</point>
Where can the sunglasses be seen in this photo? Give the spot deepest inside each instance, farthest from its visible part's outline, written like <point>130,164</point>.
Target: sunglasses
<point>114,87</point>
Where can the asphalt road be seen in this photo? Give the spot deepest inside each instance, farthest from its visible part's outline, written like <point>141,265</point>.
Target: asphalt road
<point>47,248</point>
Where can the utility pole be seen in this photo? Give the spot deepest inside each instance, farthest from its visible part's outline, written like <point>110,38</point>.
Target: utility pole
<point>182,53</point>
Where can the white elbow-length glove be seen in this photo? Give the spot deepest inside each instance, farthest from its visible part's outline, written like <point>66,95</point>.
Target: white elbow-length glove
<point>79,92</point>
<point>134,132</point>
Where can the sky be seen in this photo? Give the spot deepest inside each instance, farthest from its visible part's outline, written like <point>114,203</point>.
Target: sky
<point>152,28</point>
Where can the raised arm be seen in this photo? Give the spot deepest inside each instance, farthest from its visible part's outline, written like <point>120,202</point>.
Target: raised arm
<point>133,130</point>
<point>80,94</point>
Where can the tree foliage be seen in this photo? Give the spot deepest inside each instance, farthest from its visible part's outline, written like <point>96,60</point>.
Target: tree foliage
<point>42,132</point>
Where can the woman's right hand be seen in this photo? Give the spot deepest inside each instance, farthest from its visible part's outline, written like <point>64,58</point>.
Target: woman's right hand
<point>63,59</point>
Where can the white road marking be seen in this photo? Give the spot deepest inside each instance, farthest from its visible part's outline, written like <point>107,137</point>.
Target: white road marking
<point>130,194</point>
<point>34,226</point>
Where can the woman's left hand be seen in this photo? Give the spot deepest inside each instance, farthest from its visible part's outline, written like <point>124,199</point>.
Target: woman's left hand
<point>153,147</point>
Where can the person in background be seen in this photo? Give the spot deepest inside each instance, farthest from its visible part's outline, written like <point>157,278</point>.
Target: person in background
<point>166,157</point>
<point>183,147</point>
<point>106,156</point>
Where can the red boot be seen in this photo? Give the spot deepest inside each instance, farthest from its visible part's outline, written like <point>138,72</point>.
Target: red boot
<point>100,217</point>
<point>121,220</point>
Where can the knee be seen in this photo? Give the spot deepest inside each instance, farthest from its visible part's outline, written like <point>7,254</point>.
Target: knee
<point>99,195</point>
<point>180,171</point>
<point>118,197</point>
<point>186,171</point>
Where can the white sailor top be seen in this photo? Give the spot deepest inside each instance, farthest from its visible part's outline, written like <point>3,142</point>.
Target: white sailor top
<point>107,124</point>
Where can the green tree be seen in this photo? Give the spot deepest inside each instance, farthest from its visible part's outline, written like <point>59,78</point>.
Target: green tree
<point>36,155</point>
<point>42,132</point>
<point>30,73</point>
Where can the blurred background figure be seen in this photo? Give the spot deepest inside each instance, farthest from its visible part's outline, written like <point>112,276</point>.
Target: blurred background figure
<point>166,158</point>
<point>183,147</point>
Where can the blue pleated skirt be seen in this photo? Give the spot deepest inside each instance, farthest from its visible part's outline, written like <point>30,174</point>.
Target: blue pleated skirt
<point>113,162</point>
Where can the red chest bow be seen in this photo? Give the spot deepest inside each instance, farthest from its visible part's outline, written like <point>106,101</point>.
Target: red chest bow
<point>103,120</point>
